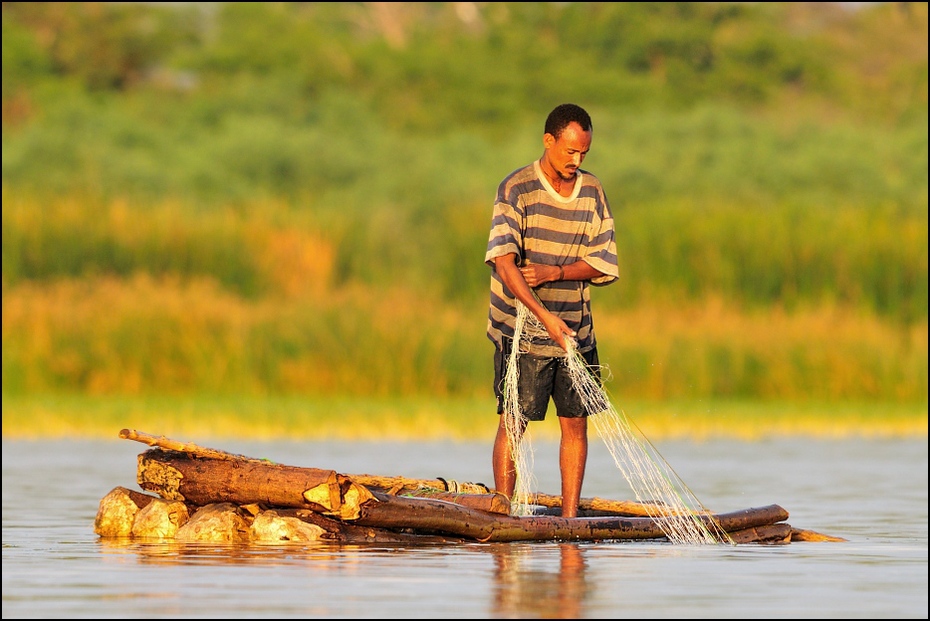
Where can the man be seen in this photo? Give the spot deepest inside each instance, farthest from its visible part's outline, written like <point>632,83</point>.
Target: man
<point>552,236</point>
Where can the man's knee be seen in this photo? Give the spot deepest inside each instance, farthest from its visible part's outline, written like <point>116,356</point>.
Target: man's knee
<point>574,427</point>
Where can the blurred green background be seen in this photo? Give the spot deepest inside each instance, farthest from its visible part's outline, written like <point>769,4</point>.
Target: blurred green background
<point>271,218</point>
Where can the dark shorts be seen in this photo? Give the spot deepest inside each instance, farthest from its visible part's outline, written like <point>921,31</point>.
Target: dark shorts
<point>542,378</point>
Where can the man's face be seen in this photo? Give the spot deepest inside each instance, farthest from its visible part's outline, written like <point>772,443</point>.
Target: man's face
<point>568,152</point>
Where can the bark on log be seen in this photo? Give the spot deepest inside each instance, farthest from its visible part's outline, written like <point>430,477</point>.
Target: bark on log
<point>182,447</point>
<point>199,476</point>
<point>117,512</point>
<point>492,503</point>
<point>347,532</point>
<point>769,533</point>
<point>403,485</point>
<point>622,508</point>
<point>799,534</point>
<point>399,484</point>
<point>438,516</point>
<point>179,476</point>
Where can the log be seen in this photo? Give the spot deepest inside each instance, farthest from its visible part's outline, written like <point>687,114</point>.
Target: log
<point>123,514</point>
<point>179,476</point>
<point>118,510</point>
<point>160,519</point>
<point>624,508</point>
<point>439,516</point>
<point>594,505</point>
<point>400,485</point>
<point>367,508</point>
<point>347,532</point>
<point>800,534</point>
<point>769,533</point>
<point>182,447</point>
<point>221,522</point>
<point>492,503</point>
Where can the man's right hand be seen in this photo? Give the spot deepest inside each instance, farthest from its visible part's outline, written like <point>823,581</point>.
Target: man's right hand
<point>558,330</point>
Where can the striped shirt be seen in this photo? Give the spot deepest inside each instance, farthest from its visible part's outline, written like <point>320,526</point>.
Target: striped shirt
<point>534,222</point>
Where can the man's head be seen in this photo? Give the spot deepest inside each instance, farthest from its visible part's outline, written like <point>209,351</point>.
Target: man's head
<point>561,116</point>
<point>567,139</point>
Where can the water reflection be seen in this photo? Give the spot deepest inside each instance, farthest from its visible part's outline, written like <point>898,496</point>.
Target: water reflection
<point>528,585</point>
<point>314,554</point>
<point>194,553</point>
<point>542,580</point>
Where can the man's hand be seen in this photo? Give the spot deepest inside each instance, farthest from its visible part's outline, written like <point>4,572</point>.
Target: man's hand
<point>517,279</point>
<point>537,274</point>
<point>558,330</point>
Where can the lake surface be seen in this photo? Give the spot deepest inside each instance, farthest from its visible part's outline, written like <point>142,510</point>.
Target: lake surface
<point>871,492</point>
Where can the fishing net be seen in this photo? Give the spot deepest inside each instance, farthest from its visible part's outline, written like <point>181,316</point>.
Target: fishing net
<point>664,496</point>
<point>514,420</point>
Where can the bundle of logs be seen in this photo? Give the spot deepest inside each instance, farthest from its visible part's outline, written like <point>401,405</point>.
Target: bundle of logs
<point>207,495</point>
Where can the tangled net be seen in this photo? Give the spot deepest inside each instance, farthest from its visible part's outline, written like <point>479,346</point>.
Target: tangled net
<point>665,497</point>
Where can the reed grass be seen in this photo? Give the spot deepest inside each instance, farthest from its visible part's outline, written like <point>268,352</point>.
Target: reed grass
<point>145,336</point>
<point>202,419</point>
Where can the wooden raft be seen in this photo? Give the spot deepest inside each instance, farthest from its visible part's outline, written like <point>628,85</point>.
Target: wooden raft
<point>203,494</point>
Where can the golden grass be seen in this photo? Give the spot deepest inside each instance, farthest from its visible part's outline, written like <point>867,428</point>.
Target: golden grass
<point>663,350</point>
<point>201,419</point>
<point>142,335</point>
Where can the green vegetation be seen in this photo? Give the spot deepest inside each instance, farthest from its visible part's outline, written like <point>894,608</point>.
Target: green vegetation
<point>288,203</point>
<point>367,419</point>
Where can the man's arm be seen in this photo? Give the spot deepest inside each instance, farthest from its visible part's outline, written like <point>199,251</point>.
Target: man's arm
<point>538,273</point>
<point>515,280</point>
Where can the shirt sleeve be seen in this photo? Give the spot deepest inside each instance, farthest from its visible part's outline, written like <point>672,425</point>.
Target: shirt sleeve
<point>602,245</point>
<point>506,236</point>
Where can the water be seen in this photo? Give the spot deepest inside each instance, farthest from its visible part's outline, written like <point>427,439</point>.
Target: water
<point>871,492</point>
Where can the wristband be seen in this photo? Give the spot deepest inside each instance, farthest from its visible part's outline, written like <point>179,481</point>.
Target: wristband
<point>561,272</point>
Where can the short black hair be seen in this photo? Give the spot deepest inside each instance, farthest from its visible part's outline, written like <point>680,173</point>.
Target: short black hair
<point>564,114</point>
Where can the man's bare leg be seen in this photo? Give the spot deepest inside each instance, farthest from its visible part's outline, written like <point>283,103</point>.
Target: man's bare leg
<point>505,475</point>
<point>573,456</point>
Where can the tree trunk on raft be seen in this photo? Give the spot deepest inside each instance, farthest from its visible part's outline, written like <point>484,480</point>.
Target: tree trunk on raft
<point>438,516</point>
<point>403,485</point>
<point>180,476</point>
<point>471,497</point>
<point>347,532</point>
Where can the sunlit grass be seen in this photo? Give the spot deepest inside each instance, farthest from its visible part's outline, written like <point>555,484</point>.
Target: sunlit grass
<point>146,335</point>
<point>203,419</point>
